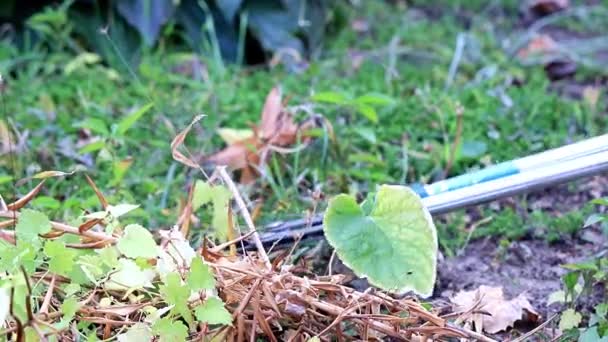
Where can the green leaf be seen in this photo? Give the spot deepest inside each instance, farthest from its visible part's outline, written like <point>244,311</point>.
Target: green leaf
<point>137,242</point>
<point>71,289</point>
<point>473,149</point>
<point>200,276</point>
<point>5,299</point>
<point>220,197</point>
<point>93,267</point>
<point>570,280</point>
<point>592,335</point>
<point>375,99</point>
<point>69,307</point>
<point>202,194</point>
<point>170,331</point>
<point>92,147</point>
<point>221,201</point>
<point>127,122</point>
<point>212,311</point>
<point>331,97</point>
<point>95,125</point>
<point>61,258</point>
<point>556,297</point>
<point>23,254</point>
<point>229,8</point>
<point>109,256</point>
<point>121,209</point>
<point>569,319</point>
<point>136,333</point>
<point>46,202</point>
<point>395,246</point>
<point>593,219</point>
<point>129,277</point>
<point>146,16</point>
<point>82,60</point>
<point>176,294</point>
<point>600,201</point>
<point>30,224</point>
<point>368,111</point>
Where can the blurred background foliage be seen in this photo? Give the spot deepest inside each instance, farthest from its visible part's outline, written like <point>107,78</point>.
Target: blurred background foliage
<point>236,31</point>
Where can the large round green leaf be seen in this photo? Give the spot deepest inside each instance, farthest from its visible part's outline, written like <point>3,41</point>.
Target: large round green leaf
<point>394,245</point>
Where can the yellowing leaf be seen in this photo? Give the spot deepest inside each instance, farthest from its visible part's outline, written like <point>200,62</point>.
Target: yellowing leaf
<point>81,61</point>
<point>231,136</point>
<point>393,242</point>
<point>49,174</point>
<point>569,319</point>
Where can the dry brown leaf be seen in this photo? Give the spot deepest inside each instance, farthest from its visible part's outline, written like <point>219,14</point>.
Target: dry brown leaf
<point>546,7</point>
<point>501,313</point>
<point>20,203</point>
<point>277,129</point>
<point>98,193</point>
<point>591,95</point>
<point>270,114</point>
<point>120,310</point>
<point>541,44</point>
<point>179,140</point>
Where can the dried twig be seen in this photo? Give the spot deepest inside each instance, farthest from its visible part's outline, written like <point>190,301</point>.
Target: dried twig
<point>67,228</point>
<point>239,201</point>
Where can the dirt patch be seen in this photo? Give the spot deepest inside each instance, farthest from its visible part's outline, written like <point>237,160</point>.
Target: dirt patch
<point>532,267</point>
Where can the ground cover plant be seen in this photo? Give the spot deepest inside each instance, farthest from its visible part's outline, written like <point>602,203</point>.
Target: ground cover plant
<point>400,93</point>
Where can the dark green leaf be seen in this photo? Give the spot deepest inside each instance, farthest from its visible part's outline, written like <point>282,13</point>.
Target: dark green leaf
<point>147,16</point>
<point>131,119</point>
<point>229,8</point>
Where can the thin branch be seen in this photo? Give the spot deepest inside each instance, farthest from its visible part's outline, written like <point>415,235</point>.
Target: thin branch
<point>67,228</point>
<point>246,215</point>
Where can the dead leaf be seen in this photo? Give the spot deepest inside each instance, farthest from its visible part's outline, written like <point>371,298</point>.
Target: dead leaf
<point>20,203</point>
<point>179,140</point>
<point>546,7</point>
<point>98,193</point>
<point>359,25</point>
<point>276,130</point>
<point>501,313</point>
<point>560,69</point>
<point>539,45</point>
<point>591,95</point>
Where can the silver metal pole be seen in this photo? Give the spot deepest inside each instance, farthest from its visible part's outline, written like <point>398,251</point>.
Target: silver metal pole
<point>517,184</point>
<point>524,182</point>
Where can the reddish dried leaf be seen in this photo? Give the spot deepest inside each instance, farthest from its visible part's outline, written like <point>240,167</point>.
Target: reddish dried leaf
<point>270,114</point>
<point>20,203</point>
<point>102,199</point>
<point>88,225</point>
<point>538,45</point>
<point>236,155</point>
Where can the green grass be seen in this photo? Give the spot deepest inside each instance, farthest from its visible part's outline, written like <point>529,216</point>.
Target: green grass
<point>412,140</point>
